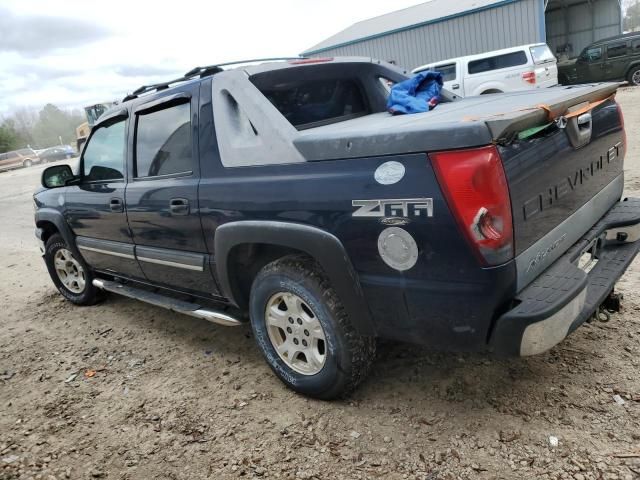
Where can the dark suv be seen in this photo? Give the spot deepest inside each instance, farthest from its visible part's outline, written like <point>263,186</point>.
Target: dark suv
<point>286,195</point>
<point>611,59</point>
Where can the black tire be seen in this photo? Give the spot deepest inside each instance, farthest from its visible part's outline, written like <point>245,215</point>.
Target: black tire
<point>27,163</point>
<point>634,76</point>
<point>90,294</point>
<point>348,354</point>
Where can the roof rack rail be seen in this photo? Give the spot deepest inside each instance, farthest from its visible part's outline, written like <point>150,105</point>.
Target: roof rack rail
<point>201,72</point>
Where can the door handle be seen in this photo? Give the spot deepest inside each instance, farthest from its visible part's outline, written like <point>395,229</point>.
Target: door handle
<point>179,206</point>
<point>116,205</point>
<point>455,86</point>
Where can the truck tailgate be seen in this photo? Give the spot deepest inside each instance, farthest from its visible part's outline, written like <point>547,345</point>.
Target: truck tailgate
<point>559,191</point>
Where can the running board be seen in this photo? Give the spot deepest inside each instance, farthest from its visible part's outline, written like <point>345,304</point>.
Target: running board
<point>178,306</point>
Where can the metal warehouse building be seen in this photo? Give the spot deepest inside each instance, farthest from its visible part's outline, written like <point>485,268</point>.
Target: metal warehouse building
<point>442,29</point>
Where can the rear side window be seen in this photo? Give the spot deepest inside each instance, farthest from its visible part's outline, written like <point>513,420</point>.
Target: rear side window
<point>497,62</point>
<point>163,142</point>
<point>617,50</point>
<point>542,54</point>
<point>103,157</point>
<point>448,71</point>
<point>313,103</point>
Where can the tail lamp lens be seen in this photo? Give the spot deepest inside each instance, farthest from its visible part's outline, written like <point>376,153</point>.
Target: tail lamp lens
<point>306,61</point>
<point>529,77</point>
<point>476,190</point>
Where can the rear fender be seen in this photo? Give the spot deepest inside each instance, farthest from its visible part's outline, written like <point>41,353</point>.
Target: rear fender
<point>324,247</point>
<point>632,66</point>
<point>489,86</point>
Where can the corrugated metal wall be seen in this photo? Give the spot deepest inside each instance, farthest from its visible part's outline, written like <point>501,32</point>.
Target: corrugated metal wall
<point>581,24</point>
<point>505,26</point>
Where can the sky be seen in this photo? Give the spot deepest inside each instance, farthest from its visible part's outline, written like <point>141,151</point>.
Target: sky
<point>75,53</point>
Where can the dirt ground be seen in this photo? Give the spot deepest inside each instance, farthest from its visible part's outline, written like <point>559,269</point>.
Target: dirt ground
<point>178,398</point>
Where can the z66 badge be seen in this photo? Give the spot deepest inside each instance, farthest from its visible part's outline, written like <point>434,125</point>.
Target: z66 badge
<point>405,207</point>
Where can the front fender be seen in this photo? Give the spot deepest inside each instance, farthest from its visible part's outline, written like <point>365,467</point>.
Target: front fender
<point>50,215</point>
<point>324,247</point>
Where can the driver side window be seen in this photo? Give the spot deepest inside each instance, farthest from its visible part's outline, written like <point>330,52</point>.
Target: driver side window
<point>592,54</point>
<point>103,157</point>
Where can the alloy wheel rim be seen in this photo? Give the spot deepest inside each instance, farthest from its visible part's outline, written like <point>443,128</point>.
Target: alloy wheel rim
<point>296,333</point>
<point>636,77</point>
<point>69,271</point>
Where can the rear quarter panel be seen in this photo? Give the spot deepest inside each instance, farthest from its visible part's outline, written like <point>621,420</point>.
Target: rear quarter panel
<point>446,300</point>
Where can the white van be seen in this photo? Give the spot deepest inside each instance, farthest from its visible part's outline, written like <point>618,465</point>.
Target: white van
<point>518,68</point>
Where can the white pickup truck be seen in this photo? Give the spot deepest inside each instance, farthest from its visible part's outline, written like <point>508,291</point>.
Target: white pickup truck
<point>517,68</point>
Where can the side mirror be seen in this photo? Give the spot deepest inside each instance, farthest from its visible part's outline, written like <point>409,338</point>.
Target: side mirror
<point>56,176</point>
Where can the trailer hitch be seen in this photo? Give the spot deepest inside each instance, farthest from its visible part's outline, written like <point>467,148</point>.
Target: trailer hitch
<point>610,305</point>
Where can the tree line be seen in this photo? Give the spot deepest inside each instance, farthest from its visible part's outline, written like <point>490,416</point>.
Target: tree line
<point>39,129</point>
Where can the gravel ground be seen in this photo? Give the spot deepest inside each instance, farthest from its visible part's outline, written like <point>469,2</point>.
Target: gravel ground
<point>124,390</point>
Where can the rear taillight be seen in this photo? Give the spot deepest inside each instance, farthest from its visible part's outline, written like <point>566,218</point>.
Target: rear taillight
<point>475,188</point>
<point>529,77</point>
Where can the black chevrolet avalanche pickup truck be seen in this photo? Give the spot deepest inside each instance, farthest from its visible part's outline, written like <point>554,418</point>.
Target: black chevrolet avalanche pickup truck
<point>283,194</point>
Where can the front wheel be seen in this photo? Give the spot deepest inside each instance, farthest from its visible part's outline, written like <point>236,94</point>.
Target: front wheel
<point>27,163</point>
<point>303,331</point>
<point>634,76</point>
<point>71,276</point>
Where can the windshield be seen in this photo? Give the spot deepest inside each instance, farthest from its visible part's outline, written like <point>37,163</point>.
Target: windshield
<point>542,54</point>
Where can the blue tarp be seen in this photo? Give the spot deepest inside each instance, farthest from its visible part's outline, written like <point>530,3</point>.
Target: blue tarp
<point>417,94</point>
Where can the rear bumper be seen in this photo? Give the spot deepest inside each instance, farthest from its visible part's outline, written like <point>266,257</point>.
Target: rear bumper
<point>564,296</point>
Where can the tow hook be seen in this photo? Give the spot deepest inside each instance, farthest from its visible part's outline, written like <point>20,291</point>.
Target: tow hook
<point>610,305</point>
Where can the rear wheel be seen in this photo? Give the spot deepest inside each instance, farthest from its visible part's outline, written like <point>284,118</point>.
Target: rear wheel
<point>304,332</point>
<point>27,163</point>
<point>634,76</point>
<point>70,275</point>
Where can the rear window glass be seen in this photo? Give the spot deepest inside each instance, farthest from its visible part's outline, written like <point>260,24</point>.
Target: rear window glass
<point>386,83</point>
<point>312,103</point>
<point>497,62</point>
<point>542,54</point>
